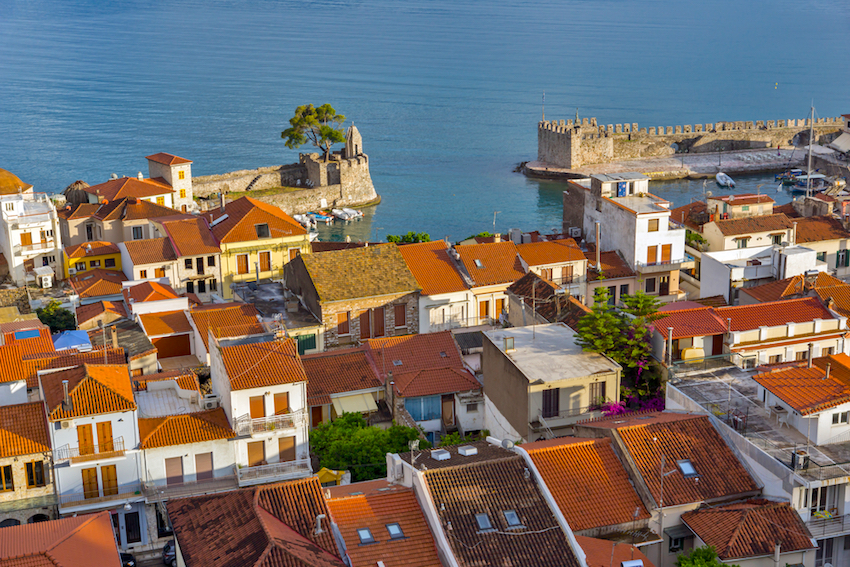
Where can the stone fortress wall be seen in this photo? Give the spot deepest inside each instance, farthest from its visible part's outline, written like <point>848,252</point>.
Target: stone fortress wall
<point>570,144</point>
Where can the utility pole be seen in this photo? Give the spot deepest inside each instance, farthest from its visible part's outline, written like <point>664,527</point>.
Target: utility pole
<point>494,221</point>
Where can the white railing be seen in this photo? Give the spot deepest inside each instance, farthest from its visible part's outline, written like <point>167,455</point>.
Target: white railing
<point>273,472</point>
<point>247,426</point>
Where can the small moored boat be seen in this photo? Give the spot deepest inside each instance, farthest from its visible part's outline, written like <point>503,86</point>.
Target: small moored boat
<point>354,214</point>
<point>724,180</point>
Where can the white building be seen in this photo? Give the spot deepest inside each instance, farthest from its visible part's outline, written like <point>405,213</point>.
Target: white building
<point>30,236</point>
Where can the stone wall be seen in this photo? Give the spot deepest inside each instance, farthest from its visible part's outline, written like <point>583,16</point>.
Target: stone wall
<point>17,297</point>
<point>290,175</point>
<point>570,145</point>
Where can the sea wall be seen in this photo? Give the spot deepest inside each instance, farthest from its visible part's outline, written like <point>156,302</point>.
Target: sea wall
<point>570,144</point>
<point>291,175</point>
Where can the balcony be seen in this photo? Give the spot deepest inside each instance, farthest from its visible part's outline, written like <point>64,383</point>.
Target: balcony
<point>662,266</point>
<point>110,450</point>
<point>34,248</point>
<point>828,527</point>
<point>565,418</point>
<point>246,426</point>
<point>103,495</point>
<point>569,280</point>
<point>163,490</point>
<point>247,476</point>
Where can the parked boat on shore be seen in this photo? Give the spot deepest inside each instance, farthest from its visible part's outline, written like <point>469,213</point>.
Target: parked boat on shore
<point>353,213</point>
<point>724,180</point>
<point>341,214</point>
<point>320,217</point>
<point>305,220</point>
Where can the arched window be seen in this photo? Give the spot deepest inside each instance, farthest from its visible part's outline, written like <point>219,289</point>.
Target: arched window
<point>38,518</point>
<point>9,523</point>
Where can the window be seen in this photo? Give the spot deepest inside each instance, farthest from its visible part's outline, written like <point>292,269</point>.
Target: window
<point>305,343</point>
<point>143,274</point>
<point>202,286</point>
<point>840,418</point>
<point>471,408</point>
<point>742,243</point>
<point>242,263</point>
<point>424,408</point>
<point>257,406</point>
<point>676,544</point>
<point>478,264</point>
<point>651,255</point>
<point>612,295</point>
<point>81,266</point>
<point>199,266</point>
<point>342,327</point>
<point>687,468</point>
<point>776,238</point>
<point>512,519</point>
<point>775,359</point>
<point>211,261</point>
<point>483,309</point>
<point>182,192</point>
<point>827,351</point>
<point>664,285</point>
<point>160,201</point>
<point>159,273</point>
<point>137,233</point>
<point>745,208</point>
<point>366,324</point>
<point>551,402</point>
<point>842,259</point>
<point>181,175</point>
<point>190,287</point>
<point>483,521</point>
<point>821,256</point>
<point>653,225</point>
<point>35,474</point>
<point>109,263</point>
<point>262,230</point>
<point>187,263</point>
<point>94,263</point>
<point>823,555</point>
<point>395,531</point>
<point>365,536</point>
<point>265,261</point>
<point>802,355</point>
<point>649,285</point>
<point>597,392</point>
<point>294,253</point>
<point>10,206</point>
<point>624,290</point>
<point>213,285</point>
<point>400,315</point>
<point>6,484</point>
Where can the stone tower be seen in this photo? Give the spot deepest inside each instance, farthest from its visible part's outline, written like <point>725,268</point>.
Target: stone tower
<point>353,142</point>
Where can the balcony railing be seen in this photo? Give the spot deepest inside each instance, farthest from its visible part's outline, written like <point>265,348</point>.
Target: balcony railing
<point>109,450</point>
<point>101,495</point>
<point>273,472</point>
<point>247,426</point>
<point>660,263</point>
<point>831,526</point>
<point>162,490</point>
<point>35,247</point>
<point>569,280</point>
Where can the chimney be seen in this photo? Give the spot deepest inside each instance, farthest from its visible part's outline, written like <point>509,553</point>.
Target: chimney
<point>826,374</point>
<point>598,247</point>
<point>729,324</point>
<point>776,551</point>
<point>113,332</point>
<point>794,233</point>
<point>811,348</point>
<point>669,346</point>
<point>319,519</point>
<point>140,176</point>
<point>497,237</point>
<point>222,200</point>
<point>65,397</point>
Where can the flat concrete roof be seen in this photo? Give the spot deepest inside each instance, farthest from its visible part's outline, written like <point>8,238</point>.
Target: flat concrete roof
<point>548,353</point>
<point>646,203</point>
<point>164,398</point>
<point>625,176</point>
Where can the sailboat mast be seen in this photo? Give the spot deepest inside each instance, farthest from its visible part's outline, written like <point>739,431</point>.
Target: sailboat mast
<point>811,141</point>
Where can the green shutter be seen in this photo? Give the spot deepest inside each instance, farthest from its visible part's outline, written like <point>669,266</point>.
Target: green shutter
<point>305,343</point>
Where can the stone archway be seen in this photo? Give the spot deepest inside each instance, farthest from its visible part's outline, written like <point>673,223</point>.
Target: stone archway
<point>9,523</point>
<point>38,518</point>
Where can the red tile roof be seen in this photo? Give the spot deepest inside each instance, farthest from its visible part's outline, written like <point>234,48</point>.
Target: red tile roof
<point>337,372</point>
<point>244,214</point>
<point>191,237</point>
<point>550,252</point>
<point>433,268</point>
<point>34,345</point>
<point>588,482</point>
<point>743,199</point>
<point>129,187</point>
<point>820,229</point>
<point>226,320</point>
<point>10,362</point>
<point>165,323</point>
<point>92,310</point>
<point>186,379</point>
<point>753,225</point>
<point>379,504</point>
<point>607,553</point>
<point>92,389</point>
<point>77,541</point>
<point>167,159</point>
<point>149,291</point>
<point>94,248</point>
<point>150,251</point>
<point>23,430</point>
<point>613,265</point>
<point>774,291</point>
<point>499,262</point>
<point>544,297</point>
<point>776,313</point>
<point>750,529</point>
<point>262,364</point>
<point>840,296</point>
<point>131,208</point>
<point>195,427</point>
<point>787,209</point>
<point>693,215</point>
<point>807,390</point>
<point>434,381</point>
<point>80,211</point>
<point>699,322</point>
<point>98,283</point>
<point>31,364</point>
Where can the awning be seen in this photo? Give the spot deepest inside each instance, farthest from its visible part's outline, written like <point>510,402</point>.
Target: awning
<point>841,143</point>
<point>43,271</point>
<point>678,531</point>
<point>359,403</point>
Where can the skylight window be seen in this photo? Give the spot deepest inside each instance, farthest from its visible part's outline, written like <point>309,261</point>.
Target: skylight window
<point>395,531</point>
<point>687,468</point>
<point>483,521</point>
<point>262,230</point>
<point>365,536</point>
<point>397,363</point>
<point>443,355</point>
<point>478,264</point>
<point>512,518</point>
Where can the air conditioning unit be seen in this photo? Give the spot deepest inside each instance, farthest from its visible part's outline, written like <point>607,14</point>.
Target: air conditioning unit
<point>46,282</point>
<point>67,423</point>
<point>211,401</point>
<point>575,232</point>
<point>799,460</point>
<point>72,271</point>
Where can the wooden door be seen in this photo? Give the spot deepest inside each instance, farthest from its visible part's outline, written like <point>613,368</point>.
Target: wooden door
<point>90,487</point>
<point>174,471</point>
<point>109,476</point>
<point>483,309</point>
<point>316,415</point>
<point>265,261</point>
<point>286,445</point>
<point>546,273</point>
<point>342,327</point>
<point>258,406</point>
<point>242,263</point>
<point>133,527</point>
<point>281,403</point>
<point>26,238</point>
<point>448,403</point>
<point>43,236</point>
<point>85,439</point>
<point>717,345</point>
<point>500,306</point>
<point>651,254</point>
<point>204,466</point>
<point>567,274</point>
<point>293,253</point>
<point>666,253</point>
<point>256,453</point>
<point>378,321</point>
<point>365,325</point>
<point>104,437</point>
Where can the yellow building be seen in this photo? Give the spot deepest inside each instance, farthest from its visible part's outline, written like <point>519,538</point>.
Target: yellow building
<point>255,237</point>
<point>91,256</point>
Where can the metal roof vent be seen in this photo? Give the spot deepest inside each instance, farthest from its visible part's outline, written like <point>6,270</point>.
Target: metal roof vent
<point>440,455</point>
<point>509,344</point>
<point>397,363</point>
<point>467,450</point>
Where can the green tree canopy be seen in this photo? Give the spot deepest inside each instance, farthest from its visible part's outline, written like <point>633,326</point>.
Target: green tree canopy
<point>410,237</point>
<point>56,317</point>
<point>349,443</point>
<point>704,556</point>
<point>320,126</point>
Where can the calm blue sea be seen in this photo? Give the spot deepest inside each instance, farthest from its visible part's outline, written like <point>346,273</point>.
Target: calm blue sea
<point>446,93</point>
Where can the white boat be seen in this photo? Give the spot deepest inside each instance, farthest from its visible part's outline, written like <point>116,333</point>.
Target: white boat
<point>341,214</point>
<point>724,180</point>
<point>354,214</point>
<point>305,220</point>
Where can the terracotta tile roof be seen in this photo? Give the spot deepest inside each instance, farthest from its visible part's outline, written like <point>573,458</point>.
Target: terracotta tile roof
<point>775,313</point>
<point>317,246</point>
<point>191,237</point>
<point>149,291</point>
<point>337,372</point>
<point>244,214</point>
<point>840,295</point>
<point>92,310</point>
<point>750,529</point>
<point>744,199</point>
<point>588,482</point>
<point>607,553</point>
<point>80,211</point>
<point>22,324</point>
<point>774,291</point>
<point>684,437</point>
<point>435,271</point>
<point>94,248</point>
<point>269,526</point>
<point>98,283</point>
<point>165,323</point>
<point>820,229</point>
<point>226,320</point>
<point>86,539</point>
<point>31,364</point>
<point>693,215</point>
<point>150,251</point>
<point>195,427</point>
<point>130,187</point>
<point>168,159</point>
<point>463,489</point>
<point>93,390</point>
<point>550,252</point>
<point>787,209</point>
<point>807,390</point>
<point>369,272</point>
<point>613,265</point>
<point>412,353</point>
<point>753,225</point>
<point>548,303</point>
<point>434,381</point>
<point>378,505</point>
<point>32,345</point>
<point>131,208</point>
<point>185,379</point>
<point>23,430</point>
<point>713,301</point>
<point>262,364</point>
<point>699,322</point>
<point>499,262</point>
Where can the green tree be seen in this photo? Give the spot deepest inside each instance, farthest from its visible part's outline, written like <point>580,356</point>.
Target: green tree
<point>321,126</point>
<point>601,329</point>
<point>410,237</point>
<point>705,556</point>
<point>641,305</point>
<point>56,317</point>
